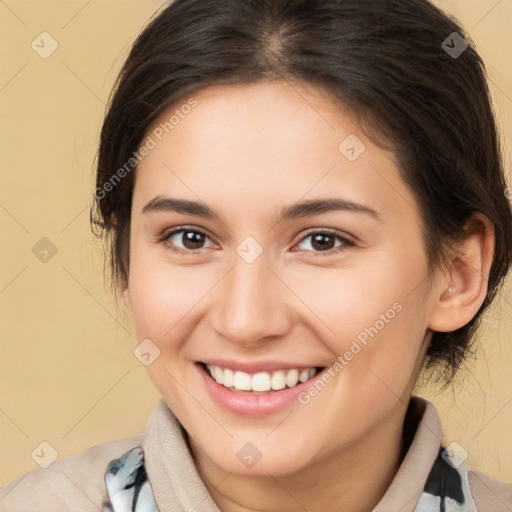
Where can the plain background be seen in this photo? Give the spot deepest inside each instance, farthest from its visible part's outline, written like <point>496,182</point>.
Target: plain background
<point>68,373</point>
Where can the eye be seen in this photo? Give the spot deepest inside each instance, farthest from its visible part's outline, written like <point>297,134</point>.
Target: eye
<point>325,242</point>
<point>191,240</point>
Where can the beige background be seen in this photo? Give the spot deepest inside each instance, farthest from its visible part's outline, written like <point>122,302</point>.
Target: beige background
<point>68,373</point>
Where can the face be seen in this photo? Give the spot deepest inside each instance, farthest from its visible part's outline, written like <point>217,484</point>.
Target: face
<point>262,245</point>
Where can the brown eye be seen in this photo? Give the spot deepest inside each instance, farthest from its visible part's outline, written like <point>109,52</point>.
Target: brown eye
<point>186,240</point>
<point>324,241</point>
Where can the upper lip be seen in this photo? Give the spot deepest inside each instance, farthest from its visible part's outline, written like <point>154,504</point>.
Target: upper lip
<point>256,366</point>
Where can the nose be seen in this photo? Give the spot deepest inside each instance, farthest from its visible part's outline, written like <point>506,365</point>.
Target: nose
<point>251,305</point>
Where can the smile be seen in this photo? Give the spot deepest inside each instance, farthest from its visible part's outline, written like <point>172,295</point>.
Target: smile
<point>255,389</point>
<point>261,382</point>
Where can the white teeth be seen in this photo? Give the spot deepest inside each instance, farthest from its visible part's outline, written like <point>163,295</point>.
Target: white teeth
<point>228,379</point>
<point>262,381</point>
<point>278,380</point>
<point>304,375</point>
<point>242,381</point>
<point>292,377</point>
<point>217,374</point>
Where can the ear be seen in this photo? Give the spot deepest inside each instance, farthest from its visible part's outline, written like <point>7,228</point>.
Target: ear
<point>457,301</point>
<point>127,299</point>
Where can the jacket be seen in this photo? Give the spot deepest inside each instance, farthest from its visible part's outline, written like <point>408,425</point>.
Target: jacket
<point>153,471</point>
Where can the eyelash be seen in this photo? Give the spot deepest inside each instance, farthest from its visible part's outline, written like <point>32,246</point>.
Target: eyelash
<point>345,241</point>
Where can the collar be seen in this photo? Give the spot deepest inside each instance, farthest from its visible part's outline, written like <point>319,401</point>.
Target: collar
<point>162,470</point>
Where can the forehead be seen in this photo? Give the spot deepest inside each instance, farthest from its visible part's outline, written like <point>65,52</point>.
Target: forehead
<point>280,122</point>
<point>244,142</point>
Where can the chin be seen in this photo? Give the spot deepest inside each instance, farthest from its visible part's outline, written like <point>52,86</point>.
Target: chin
<point>260,458</point>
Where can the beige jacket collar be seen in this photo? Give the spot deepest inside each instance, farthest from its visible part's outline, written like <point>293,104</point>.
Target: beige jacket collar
<point>175,479</point>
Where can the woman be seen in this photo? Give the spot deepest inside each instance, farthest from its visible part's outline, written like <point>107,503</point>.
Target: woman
<point>306,207</point>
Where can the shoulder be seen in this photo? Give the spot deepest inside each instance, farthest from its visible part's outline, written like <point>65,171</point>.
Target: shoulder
<point>488,494</point>
<point>74,483</point>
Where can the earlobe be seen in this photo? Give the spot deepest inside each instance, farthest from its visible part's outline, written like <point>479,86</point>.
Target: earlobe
<point>467,279</point>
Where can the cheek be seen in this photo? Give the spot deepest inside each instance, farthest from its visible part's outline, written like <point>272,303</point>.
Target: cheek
<point>371,292</point>
<point>384,369</point>
<point>373,318</point>
<point>163,294</point>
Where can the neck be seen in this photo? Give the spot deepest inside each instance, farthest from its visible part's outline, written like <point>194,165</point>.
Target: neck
<point>353,479</point>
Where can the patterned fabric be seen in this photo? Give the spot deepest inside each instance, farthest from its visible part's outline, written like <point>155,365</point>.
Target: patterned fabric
<point>446,488</point>
<point>127,484</point>
<point>129,490</point>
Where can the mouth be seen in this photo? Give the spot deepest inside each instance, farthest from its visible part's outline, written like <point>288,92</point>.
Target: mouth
<point>259,389</point>
<point>262,382</point>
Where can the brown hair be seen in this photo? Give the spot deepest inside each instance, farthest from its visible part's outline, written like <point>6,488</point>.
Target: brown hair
<point>396,66</point>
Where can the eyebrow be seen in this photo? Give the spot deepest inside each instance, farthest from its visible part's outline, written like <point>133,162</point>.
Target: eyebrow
<point>300,209</point>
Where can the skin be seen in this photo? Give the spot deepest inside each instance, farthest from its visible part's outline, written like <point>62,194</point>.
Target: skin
<point>247,151</point>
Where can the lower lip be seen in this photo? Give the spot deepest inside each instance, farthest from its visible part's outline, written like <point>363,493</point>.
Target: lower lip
<point>252,405</point>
